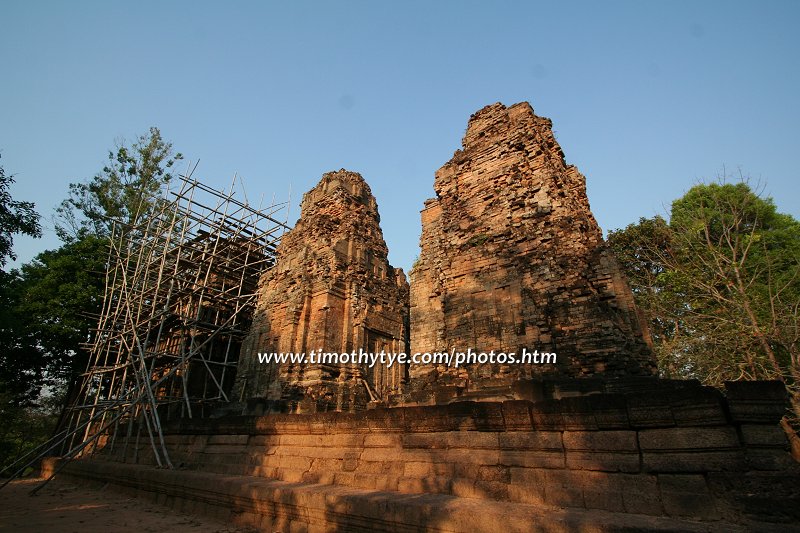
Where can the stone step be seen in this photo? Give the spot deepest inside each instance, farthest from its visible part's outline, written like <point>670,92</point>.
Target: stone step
<point>271,505</point>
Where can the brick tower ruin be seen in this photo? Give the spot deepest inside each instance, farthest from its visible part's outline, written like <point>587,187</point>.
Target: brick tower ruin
<point>512,257</point>
<point>332,289</point>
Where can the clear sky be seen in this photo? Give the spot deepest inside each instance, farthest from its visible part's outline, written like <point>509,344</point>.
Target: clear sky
<point>646,98</point>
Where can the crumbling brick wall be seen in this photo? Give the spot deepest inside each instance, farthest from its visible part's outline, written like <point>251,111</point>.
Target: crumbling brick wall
<point>332,289</point>
<point>512,257</point>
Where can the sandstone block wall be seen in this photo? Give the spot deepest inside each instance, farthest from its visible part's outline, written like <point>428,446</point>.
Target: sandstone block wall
<point>673,452</point>
<point>332,289</point>
<point>511,258</point>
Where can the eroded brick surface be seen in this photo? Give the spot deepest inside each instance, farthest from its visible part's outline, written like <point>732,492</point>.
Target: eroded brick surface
<point>332,289</point>
<point>511,258</point>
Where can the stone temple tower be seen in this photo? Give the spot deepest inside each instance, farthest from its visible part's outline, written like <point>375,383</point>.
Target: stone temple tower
<point>332,288</point>
<point>512,258</point>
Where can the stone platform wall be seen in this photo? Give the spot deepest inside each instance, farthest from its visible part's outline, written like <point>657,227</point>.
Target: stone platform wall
<point>682,452</point>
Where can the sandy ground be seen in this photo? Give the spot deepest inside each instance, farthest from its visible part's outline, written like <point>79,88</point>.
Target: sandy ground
<point>63,507</point>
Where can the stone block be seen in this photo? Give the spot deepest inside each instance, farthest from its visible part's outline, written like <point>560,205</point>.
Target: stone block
<point>464,488</point>
<point>767,496</point>
<point>771,436</point>
<point>491,490</point>
<point>624,441</point>
<point>417,469</point>
<point>563,488</point>
<point>375,467</point>
<point>756,412</point>
<point>578,413</point>
<point>300,463</point>
<point>517,415</point>
<point>609,451</point>
<point>769,459</point>
<point>387,483</point>
<point>476,457</point>
<point>410,485</point>
<point>485,416</point>
<point>533,458</point>
<point>437,484</point>
<point>603,461</point>
<point>760,402</point>
<point>350,461</point>
<point>527,477</point>
<point>434,419</point>
<point>687,495</point>
<point>364,481</point>
<point>388,454</point>
<point>756,390</point>
<point>383,440</point>
<point>641,494</point>
<point>547,415</point>
<point>530,440</point>
<point>698,406</point>
<point>228,439</point>
<point>292,475</point>
<point>451,439</point>
<point>648,411</point>
<point>689,440</point>
<point>693,461</point>
<point>603,491</point>
<point>532,494</point>
<point>263,440</point>
<point>610,411</point>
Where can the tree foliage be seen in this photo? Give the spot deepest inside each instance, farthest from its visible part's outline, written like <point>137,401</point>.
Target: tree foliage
<point>20,362</point>
<point>123,191</point>
<point>49,306</point>
<point>23,428</point>
<point>62,298</point>
<point>65,286</point>
<point>721,284</point>
<point>16,217</point>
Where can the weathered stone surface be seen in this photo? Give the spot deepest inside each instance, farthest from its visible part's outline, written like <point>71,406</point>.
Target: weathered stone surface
<point>332,289</point>
<point>517,451</point>
<point>511,258</point>
<point>757,401</point>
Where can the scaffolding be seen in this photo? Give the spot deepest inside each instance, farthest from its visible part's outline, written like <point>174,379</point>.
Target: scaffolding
<point>180,295</point>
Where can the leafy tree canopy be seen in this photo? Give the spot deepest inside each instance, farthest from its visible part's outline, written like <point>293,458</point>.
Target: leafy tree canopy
<point>122,191</point>
<point>721,284</point>
<point>16,217</point>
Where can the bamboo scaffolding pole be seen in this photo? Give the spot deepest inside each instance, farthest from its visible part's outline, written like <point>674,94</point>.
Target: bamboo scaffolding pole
<point>180,291</point>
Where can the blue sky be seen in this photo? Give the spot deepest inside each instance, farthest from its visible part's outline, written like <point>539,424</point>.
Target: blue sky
<point>647,98</point>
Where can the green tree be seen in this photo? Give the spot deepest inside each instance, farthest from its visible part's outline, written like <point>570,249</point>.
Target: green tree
<point>123,191</point>
<point>20,364</point>
<point>57,296</point>
<point>49,307</point>
<point>62,297</point>
<point>21,361</point>
<point>721,284</point>
<point>65,286</point>
<point>15,218</point>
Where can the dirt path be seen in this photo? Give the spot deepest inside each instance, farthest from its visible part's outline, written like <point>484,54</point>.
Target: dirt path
<point>63,507</point>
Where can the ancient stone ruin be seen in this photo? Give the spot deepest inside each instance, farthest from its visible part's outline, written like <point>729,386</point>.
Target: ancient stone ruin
<point>332,289</point>
<point>511,258</point>
<point>679,457</point>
